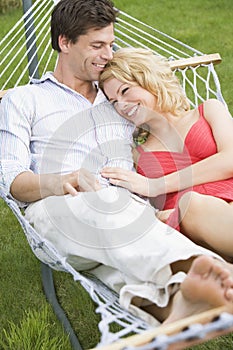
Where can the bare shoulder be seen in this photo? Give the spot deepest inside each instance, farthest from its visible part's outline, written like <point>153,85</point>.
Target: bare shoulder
<point>214,108</point>
<point>213,105</point>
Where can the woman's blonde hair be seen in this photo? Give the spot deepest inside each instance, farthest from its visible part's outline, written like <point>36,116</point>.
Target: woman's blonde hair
<point>141,67</point>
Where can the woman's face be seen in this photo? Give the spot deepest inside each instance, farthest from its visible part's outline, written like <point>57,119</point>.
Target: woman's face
<point>130,101</point>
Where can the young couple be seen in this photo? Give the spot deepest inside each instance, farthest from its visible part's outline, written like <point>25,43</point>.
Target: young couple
<point>53,128</point>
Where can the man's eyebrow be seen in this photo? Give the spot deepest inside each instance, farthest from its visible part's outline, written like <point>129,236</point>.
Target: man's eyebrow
<point>96,42</point>
<point>100,42</point>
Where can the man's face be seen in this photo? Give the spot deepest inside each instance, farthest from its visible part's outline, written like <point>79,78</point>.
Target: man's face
<point>89,55</point>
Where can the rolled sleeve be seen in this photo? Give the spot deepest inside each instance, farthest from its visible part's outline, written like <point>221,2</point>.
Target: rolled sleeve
<point>15,138</point>
<point>9,169</point>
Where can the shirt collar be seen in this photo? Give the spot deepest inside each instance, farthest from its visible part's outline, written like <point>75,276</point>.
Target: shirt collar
<point>100,97</point>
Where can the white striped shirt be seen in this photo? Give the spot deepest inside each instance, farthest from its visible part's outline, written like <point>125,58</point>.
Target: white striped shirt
<point>47,127</point>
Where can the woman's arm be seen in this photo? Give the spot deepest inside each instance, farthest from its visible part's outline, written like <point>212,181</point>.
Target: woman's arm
<point>216,167</point>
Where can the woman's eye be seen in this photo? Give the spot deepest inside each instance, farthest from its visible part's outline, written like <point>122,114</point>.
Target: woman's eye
<point>124,90</point>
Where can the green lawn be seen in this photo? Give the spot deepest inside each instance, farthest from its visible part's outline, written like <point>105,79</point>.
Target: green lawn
<point>205,25</point>
<point>26,320</point>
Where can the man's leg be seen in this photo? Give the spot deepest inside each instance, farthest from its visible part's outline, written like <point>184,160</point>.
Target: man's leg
<point>117,229</point>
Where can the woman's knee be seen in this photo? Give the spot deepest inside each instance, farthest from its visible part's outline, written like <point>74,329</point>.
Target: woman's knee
<point>190,204</point>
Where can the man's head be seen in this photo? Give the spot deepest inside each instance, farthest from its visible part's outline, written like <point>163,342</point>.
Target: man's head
<point>72,18</point>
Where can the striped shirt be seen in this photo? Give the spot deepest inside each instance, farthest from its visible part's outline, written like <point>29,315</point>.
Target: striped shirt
<point>46,127</point>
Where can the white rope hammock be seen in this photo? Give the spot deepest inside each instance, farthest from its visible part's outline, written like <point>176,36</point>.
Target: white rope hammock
<point>25,53</point>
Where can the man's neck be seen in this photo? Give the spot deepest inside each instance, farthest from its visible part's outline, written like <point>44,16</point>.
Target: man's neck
<point>85,88</point>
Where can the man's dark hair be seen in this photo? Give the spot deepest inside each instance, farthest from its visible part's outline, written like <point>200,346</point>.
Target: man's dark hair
<point>73,18</point>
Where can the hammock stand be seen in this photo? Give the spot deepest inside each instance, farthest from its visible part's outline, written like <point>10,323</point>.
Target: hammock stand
<point>25,53</point>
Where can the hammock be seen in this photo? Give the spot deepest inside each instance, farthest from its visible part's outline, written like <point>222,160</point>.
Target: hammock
<point>25,53</point>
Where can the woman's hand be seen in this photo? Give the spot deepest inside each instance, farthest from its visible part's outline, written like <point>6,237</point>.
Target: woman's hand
<point>130,180</point>
<point>163,215</point>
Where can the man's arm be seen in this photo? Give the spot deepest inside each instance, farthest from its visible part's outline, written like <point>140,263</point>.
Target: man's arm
<point>30,187</point>
<point>16,178</point>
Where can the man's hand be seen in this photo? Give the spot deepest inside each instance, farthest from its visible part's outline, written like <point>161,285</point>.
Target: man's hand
<point>80,181</point>
<point>29,187</point>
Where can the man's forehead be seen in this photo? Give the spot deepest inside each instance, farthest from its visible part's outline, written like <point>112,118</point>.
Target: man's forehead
<point>100,34</point>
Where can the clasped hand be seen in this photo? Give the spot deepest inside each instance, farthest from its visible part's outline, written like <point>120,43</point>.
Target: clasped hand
<point>83,181</point>
<point>80,181</point>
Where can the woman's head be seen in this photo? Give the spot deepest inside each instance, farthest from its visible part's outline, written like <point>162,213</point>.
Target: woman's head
<point>135,66</point>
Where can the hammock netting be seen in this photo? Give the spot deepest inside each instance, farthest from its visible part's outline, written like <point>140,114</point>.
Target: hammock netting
<point>25,53</point>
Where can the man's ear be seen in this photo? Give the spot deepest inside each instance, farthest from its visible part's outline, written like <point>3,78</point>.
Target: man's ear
<point>63,43</point>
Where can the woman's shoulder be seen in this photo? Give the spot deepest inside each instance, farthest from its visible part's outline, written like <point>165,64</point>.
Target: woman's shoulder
<point>211,105</point>
<point>213,108</point>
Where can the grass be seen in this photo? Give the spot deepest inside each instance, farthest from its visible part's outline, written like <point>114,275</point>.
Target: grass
<point>33,332</point>
<point>26,320</point>
<point>22,296</point>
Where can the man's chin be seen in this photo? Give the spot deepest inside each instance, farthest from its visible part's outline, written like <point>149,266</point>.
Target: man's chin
<point>95,77</point>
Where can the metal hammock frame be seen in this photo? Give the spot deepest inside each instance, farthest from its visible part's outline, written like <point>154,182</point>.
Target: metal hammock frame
<point>25,53</point>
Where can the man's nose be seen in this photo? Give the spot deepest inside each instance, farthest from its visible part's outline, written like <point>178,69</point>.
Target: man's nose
<point>107,53</point>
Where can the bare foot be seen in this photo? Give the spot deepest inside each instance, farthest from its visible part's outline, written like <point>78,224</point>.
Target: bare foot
<point>209,284</point>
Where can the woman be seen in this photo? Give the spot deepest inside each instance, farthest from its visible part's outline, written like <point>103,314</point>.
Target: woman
<point>185,165</point>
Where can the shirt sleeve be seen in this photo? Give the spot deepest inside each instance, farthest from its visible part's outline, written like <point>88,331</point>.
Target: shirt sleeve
<point>15,132</point>
<point>114,138</point>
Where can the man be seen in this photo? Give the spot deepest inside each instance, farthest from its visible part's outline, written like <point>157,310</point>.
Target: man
<point>56,136</point>
<point>84,48</point>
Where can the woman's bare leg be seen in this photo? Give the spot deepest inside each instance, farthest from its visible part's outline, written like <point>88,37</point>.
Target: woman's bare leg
<point>208,221</point>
